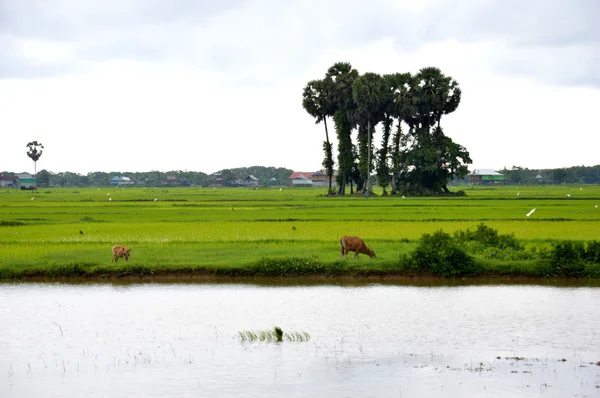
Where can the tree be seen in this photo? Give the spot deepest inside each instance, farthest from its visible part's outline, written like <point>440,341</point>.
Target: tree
<point>340,77</point>
<point>318,103</point>
<point>43,178</point>
<point>402,108</point>
<point>370,96</point>
<point>35,152</point>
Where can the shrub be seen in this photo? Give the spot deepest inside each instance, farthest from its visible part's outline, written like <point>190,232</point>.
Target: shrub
<point>439,255</point>
<point>487,236</point>
<point>592,252</point>
<point>567,258</point>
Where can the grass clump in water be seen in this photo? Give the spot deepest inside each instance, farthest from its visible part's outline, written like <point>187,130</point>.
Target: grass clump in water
<point>275,335</point>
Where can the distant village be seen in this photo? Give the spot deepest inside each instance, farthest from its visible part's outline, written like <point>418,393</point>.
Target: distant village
<point>297,179</point>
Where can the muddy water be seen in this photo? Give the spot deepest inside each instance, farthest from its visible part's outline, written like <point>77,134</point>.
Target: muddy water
<point>366,341</point>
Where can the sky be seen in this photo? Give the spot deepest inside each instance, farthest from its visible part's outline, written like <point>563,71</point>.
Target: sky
<point>140,85</point>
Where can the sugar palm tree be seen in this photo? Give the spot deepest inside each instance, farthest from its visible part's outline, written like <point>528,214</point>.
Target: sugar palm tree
<point>35,152</point>
<point>341,76</point>
<point>317,101</point>
<point>369,93</point>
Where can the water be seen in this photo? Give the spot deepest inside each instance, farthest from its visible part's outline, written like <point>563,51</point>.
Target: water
<point>375,340</point>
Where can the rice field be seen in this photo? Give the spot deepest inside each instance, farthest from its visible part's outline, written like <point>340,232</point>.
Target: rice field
<point>203,228</point>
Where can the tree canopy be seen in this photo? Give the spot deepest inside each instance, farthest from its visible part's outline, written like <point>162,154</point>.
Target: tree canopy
<point>421,160</point>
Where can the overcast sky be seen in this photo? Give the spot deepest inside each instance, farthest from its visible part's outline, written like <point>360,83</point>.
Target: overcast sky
<point>139,85</point>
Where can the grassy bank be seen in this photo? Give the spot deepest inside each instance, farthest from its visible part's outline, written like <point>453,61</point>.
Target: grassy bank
<point>270,232</point>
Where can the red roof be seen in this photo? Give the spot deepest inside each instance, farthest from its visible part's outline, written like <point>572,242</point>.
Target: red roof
<point>296,174</point>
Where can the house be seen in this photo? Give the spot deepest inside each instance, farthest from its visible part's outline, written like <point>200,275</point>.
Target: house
<point>116,180</point>
<point>26,181</point>
<point>7,181</point>
<point>215,180</point>
<point>486,177</point>
<point>319,179</point>
<point>250,181</point>
<point>273,181</point>
<point>301,179</point>
<point>170,180</point>
<point>307,179</point>
<point>539,179</point>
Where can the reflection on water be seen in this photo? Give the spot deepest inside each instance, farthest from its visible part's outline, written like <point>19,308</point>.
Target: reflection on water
<point>372,340</point>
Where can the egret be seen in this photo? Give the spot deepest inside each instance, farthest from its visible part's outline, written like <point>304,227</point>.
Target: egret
<point>155,199</point>
<point>110,199</point>
<point>568,195</point>
<point>531,212</point>
<point>33,198</point>
<point>518,193</point>
<point>108,194</point>
<point>403,197</point>
<point>596,206</point>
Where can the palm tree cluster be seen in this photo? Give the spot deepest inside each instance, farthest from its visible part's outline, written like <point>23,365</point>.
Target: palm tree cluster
<point>415,156</point>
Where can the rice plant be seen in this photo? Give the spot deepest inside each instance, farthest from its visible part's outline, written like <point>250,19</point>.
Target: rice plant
<point>276,335</point>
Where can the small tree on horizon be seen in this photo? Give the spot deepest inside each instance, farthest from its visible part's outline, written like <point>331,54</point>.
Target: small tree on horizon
<point>35,153</point>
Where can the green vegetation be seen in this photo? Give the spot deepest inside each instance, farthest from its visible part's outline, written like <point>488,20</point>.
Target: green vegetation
<point>274,335</point>
<point>420,162</point>
<point>295,232</point>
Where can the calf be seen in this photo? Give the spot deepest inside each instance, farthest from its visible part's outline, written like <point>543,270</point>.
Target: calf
<point>119,251</point>
<point>356,245</point>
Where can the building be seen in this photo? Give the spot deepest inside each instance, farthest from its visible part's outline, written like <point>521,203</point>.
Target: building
<point>250,181</point>
<point>301,179</point>
<point>309,179</point>
<point>486,177</point>
<point>9,181</point>
<point>26,181</point>
<point>319,179</point>
<point>116,180</point>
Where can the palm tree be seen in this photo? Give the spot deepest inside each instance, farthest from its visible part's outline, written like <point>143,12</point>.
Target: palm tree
<point>318,103</point>
<point>35,152</point>
<point>340,77</point>
<point>403,109</point>
<point>369,93</point>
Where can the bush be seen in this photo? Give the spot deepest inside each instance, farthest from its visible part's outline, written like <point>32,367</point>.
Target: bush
<point>487,236</point>
<point>567,258</point>
<point>592,252</point>
<point>438,254</point>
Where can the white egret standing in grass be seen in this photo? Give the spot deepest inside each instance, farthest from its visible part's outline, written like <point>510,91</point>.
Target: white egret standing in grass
<point>569,195</point>
<point>33,198</point>
<point>531,212</point>
<point>110,199</point>
<point>518,193</point>
<point>155,199</point>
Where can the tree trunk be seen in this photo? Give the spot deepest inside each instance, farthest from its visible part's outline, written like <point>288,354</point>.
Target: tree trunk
<point>369,187</point>
<point>329,171</point>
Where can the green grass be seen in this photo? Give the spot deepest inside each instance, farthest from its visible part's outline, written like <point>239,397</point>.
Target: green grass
<point>237,230</point>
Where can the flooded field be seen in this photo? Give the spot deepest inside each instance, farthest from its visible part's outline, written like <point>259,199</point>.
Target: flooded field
<point>372,340</point>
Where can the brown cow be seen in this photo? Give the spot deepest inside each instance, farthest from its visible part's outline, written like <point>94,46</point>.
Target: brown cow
<point>119,251</point>
<point>356,245</point>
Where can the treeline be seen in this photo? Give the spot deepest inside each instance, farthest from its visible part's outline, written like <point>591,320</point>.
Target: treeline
<point>569,175</point>
<point>415,156</point>
<point>46,178</point>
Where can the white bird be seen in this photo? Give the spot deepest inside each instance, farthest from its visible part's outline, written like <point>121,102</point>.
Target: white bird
<point>568,195</point>
<point>580,189</point>
<point>596,206</point>
<point>155,199</point>
<point>531,212</point>
<point>518,193</point>
<point>109,199</point>
<point>33,198</point>
<point>108,194</point>
<point>403,197</point>
<point>279,189</point>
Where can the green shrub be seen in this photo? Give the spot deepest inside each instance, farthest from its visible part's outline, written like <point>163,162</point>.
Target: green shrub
<point>592,252</point>
<point>567,258</point>
<point>438,254</point>
<point>487,236</point>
